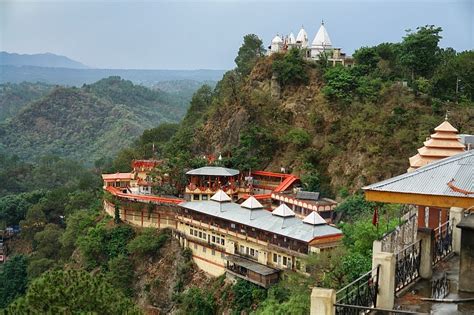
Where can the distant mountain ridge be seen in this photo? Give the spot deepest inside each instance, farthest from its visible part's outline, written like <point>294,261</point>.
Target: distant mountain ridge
<point>39,60</point>
<point>78,77</point>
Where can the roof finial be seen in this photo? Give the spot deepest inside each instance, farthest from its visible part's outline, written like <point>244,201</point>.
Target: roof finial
<point>446,116</point>
<point>322,21</point>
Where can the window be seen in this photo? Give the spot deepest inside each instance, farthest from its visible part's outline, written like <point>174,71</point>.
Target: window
<point>213,239</point>
<point>200,234</point>
<point>252,252</point>
<point>191,231</point>
<point>274,258</point>
<point>195,197</point>
<point>232,225</point>
<point>284,260</point>
<point>204,236</point>
<point>222,241</point>
<point>241,249</point>
<point>204,197</point>
<point>279,259</point>
<point>246,250</point>
<point>218,240</point>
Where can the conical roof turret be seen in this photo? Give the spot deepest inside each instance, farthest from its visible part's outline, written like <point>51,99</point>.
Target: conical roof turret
<point>302,38</point>
<point>321,40</point>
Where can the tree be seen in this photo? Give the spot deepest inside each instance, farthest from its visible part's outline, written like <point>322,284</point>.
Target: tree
<point>120,274</point>
<point>76,224</point>
<point>367,58</point>
<point>249,52</point>
<point>48,242</point>
<point>13,279</point>
<point>37,266</point>
<point>340,84</point>
<point>72,292</point>
<point>246,296</point>
<point>198,302</point>
<point>420,51</point>
<point>148,242</point>
<point>291,69</point>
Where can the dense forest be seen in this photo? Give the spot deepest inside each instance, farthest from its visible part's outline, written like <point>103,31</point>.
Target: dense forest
<point>86,124</point>
<point>338,128</point>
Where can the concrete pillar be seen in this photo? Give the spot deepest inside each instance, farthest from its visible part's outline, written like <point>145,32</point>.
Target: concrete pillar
<point>426,235</point>
<point>376,247</point>
<point>455,216</point>
<point>386,294</point>
<point>322,301</point>
<point>466,258</point>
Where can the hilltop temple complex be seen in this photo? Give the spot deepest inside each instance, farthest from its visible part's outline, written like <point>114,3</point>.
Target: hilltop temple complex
<point>321,45</point>
<point>250,226</point>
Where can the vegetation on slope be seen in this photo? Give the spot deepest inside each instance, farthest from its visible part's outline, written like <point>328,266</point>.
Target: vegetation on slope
<point>88,123</point>
<point>334,126</point>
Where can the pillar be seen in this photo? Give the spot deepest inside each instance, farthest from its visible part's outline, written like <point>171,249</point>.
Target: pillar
<point>466,258</point>
<point>433,218</point>
<point>421,216</point>
<point>426,235</point>
<point>455,216</point>
<point>322,301</point>
<point>386,294</point>
<point>376,246</point>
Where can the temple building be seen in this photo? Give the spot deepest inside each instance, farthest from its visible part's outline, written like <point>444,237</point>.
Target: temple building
<point>206,181</point>
<point>247,241</point>
<point>320,45</point>
<point>445,142</point>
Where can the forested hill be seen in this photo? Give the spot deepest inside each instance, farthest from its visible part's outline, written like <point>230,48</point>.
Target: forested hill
<point>88,123</point>
<point>13,97</point>
<point>339,128</point>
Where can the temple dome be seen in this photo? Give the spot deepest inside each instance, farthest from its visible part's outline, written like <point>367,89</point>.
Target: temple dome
<point>302,38</point>
<point>321,40</point>
<point>442,144</point>
<point>291,39</point>
<point>277,40</point>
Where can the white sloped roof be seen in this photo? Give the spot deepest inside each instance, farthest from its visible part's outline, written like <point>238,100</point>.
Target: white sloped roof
<point>283,211</point>
<point>251,203</point>
<point>302,37</point>
<point>321,40</point>
<point>291,39</point>
<point>314,219</point>
<point>213,171</point>
<point>220,196</point>
<point>277,40</point>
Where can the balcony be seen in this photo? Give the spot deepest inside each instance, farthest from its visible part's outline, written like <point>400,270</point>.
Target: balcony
<point>248,270</point>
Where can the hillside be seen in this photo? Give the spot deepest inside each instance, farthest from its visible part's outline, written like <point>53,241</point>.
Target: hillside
<point>39,60</point>
<point>13,97</point>
<point>339,128</point>
<point>90,122</point>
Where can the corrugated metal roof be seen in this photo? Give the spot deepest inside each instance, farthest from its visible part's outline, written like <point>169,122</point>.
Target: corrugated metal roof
<point>307,195</point>
<point>262,219</point>
<point>433,178</point>
<point>213,171</point>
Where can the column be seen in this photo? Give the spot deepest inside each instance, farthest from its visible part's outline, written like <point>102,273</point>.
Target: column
<point>322,301</point>
<point>466,258</point>
<point>386,294</point>
<point>426,235</point>
<point>455,216</point>
<point>421,216</point>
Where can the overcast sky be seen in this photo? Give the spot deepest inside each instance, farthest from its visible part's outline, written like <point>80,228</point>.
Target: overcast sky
<point>207,34</point>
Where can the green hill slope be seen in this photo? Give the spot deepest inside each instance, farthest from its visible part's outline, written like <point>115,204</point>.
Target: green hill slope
<point>90,122</point>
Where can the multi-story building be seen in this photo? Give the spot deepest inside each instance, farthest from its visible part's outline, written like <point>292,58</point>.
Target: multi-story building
<point>247,241</point>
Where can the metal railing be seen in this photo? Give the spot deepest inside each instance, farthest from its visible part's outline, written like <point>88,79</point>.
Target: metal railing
<point>440,287</point>
<point>407,268</point>
<point>360,292</point>
<point>443,242</point>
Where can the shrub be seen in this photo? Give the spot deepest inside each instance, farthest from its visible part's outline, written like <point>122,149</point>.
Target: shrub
<point>148,242</point>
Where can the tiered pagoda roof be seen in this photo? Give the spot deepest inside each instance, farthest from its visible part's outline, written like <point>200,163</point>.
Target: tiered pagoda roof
<point>442,144</point>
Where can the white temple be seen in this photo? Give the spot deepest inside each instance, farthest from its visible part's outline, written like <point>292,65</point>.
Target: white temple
<point>321,44</point>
